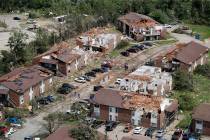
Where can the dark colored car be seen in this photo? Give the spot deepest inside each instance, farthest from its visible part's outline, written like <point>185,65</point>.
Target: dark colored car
<point>66,88</point>
<point>185,136</point>
<point>149,132</point>
<point>147,44</point>
<point>43,101</point>
<point>125,53</point>
<point>96,88</point>
<point>28,138</point>
<point>177,134</point>
<point>98,70</point>
<point>91,73</point>
<point>141,47</point>
<point>133,50</point>
<point>110,125</point>
<point>16,18</point>
<point>50,98</point>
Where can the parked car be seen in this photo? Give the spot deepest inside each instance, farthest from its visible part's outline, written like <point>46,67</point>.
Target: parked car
<point>177,134</point>
<point>80,80</point>
<point>98,70</point>
<point>16,18</point>
<point>106,64</point>
<point>149,132</point>
<point>160,133</point>
<point>167,26</point>
<point>127,128</point>
<point>96,88</point>
<point>125,53</point>
<point>185,136</point>
<point>133,50</point>
<point>118,81</point>
<point>141,47</point>
<point>137,130</point>
<point>50,98</point>
<point>68,85</point>
<point>148,44</point>
<point>91,73</point>
<point>3,130</point>
<point>87,78</point>
<point>110,125</point>
<point>43,101</point>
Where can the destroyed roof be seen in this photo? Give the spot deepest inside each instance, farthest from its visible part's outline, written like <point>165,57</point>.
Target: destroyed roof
<point>66,55</point>
<point>53,49</point>
<point>11,74</point>
<point>26,78</point>
<point>116,98</point>
<point>49,61</point>
<point>190,52</point>
<point>201,112</point>
<point>173,106</point>
<point>137,20</point>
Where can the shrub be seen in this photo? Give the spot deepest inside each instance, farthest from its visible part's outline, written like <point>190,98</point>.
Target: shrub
<point>183,81</point>
<point>185,122</point>
<point>203,70</point>
<point>122,44</point>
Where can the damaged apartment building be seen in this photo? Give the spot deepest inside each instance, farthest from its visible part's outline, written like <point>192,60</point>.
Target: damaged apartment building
<point>98,40</point>
<point>22,85</point>
<point>147,80</point>
<point>182,56</point>
<point>141,27</point>
<point>137,109</point>
<point>61,59</point>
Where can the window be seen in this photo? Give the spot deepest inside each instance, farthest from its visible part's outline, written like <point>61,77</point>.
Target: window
<point>116,110</point>
<point>110,109</point>
<point>21,99</point>
<point>110,117</point>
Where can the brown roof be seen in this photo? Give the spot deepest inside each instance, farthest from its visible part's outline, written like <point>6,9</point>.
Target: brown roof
<point>202,112</point>
<point>11,74</point>
<point>137,20</point>
<point>116,98</point>
<point>66,55</point>
<point>139,77</point>
<point>139,137</point>
<point>26,78</point>
<point>173,106</point>
<point>190,52</point>
<point>49,61</point>
<point>109,97</point>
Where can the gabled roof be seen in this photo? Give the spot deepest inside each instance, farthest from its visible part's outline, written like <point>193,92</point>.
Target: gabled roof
<point>66,55</point>
<point>109,97</point>
<point>190,52</point>
<point>202,112</point>
<point>137,20</point>
<point>27,77</point>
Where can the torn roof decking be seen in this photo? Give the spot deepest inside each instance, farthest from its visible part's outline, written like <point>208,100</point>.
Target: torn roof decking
<point>27,78</point>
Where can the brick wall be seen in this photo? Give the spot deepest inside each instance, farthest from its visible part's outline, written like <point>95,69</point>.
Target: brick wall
<point>124,115</point>
<point>104,112</point>
<point>62,67</point>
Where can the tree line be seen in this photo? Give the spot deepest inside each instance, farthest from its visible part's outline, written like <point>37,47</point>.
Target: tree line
<point>196,11</point>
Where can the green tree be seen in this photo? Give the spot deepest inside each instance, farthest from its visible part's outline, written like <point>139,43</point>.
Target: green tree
<point>52,122</point>
<point>83,132</point>
<point>182,80</point>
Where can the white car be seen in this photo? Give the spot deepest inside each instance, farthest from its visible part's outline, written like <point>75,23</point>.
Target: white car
<point>137,130</point>
<point>118,81</point>
<point>80,80</point>
<point>167,26</point>
<point>160,133</point>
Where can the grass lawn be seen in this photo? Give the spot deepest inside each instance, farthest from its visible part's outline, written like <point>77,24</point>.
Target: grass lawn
<point>203,30</point>
<point>116,51</point>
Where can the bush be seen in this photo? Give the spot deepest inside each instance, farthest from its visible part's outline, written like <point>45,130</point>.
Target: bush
<point>185,122</point>
<point>3,24</point>
<point>203,70</point>
<point>183,81</point>
<point>159,16</point>
<point>186,101</point>
<point>122,44</point>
